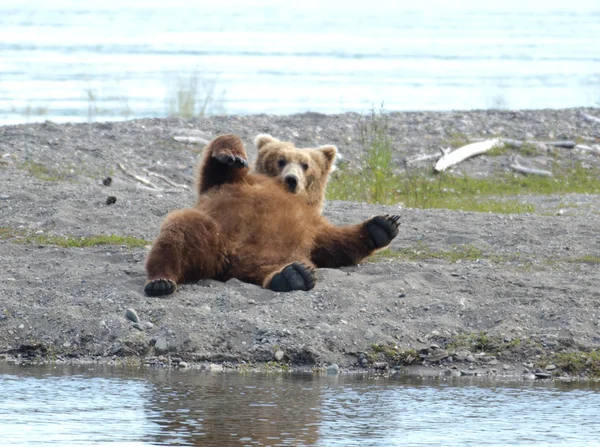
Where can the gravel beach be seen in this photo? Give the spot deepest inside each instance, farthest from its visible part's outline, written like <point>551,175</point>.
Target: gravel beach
<point>532,296</point>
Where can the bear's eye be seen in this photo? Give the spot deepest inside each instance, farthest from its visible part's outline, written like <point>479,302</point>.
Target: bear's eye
<point>281,163</point>
<point>305,166</point>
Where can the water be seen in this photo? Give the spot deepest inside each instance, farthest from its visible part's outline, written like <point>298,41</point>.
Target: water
<point>69,60</point>
<point>71,406</point>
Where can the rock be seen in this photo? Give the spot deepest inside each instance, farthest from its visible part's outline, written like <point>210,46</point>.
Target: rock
<point>215,368</point>
<point>156,131</point>
<point>436,356</point>
<point>132,315</point>
<point>161,345</point>
<point>542,375</point>
<point>4,197</point>
<point>333,369</point>
<point>380,365</point>
<point>148,325</point>
<point>470,359</point>
<point>278,355</point>
<point>369,334</point>
<point>506,367</point>
<point>323,327</point>
<point>402,295</point>
<point>550,367</point>
<point>183,365</point>
<point>364,361</point>
<point>139,326</point>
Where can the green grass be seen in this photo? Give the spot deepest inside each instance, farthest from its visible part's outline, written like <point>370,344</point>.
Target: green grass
<point>25,237</point>
<point>43,172</point>
<point>194,96</point>
<point>421,253</point>
<point>424,190</point>
<point>578,362</point>
<point>379,182</point>
<point>482,342</point>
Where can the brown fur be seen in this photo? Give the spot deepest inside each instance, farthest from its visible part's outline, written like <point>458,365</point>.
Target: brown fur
<point>250,225</point>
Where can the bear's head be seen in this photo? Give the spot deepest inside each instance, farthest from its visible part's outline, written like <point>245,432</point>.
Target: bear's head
<point>302,171</point>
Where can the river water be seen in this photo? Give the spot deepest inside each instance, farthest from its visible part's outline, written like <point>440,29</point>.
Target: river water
<point>69,60</point>
<point>73,406</point>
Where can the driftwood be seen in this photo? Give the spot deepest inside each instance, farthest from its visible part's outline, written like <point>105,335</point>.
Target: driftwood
<point>525,170</point>
<point>593,149</point>
<point>462,153</point>
<point>166,180</point>
<point>190,139</point>
<point>137,178</point>
<point>567,144</point>
<point>420,158</point>
<point>590,118</point>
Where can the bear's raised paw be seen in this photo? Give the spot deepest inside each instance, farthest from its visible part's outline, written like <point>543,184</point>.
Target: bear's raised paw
<point>296,276</point>
<point>235,161</point>
<point>383,229</point>
<point>160,287</point>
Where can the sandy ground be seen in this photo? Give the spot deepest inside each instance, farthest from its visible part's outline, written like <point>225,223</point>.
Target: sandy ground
<point>532,291</point>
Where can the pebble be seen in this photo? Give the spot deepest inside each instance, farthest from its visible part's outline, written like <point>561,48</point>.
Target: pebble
<point>278,355</point>
<point>148,325</point>
<point>215,368</point>
<point>470,359</point>
<point>506,367</point>
<point>324,327</point>
<point>333,369</point>
<point>542,375</point>
<point>161,345</point>
<point>156,131</point>
<point>139,327</point>
<point>132,315</point>
<point>21,326</point>
<point>380,365</point>
<point>183,365</point>
<point>369,334</point>
<point>110,200</point>
<point>550,367</point>
<point>4,197</point>
<point>363,309</point>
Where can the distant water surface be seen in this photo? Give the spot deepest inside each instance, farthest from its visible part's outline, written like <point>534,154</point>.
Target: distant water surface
<point>68,60</point>
<point>77,406</point>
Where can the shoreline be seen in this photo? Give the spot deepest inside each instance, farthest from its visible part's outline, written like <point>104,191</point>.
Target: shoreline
<point>529,296</point>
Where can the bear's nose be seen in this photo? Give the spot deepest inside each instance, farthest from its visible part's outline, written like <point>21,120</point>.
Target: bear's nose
<point>292,182</point>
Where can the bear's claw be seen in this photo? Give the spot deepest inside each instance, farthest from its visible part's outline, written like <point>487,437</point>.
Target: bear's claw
<point>160,287</point>
<point>383,229</point>
<point>232,160</point>
<point>296,276</point>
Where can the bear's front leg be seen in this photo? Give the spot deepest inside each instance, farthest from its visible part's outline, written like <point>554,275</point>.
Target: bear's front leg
<point>224,161</point>
<point>349,245</point>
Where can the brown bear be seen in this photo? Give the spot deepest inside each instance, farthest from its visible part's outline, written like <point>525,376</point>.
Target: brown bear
<point>263,227</point>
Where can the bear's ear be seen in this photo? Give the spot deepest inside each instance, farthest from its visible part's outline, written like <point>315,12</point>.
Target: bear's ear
<point>330,152</point>
<point>261,139</point>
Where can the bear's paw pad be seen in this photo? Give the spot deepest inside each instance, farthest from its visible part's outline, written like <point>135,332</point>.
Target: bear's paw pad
<point>383,229</point>
<point>234,161</point>
<point>160,287</point>
<point>296,276</point>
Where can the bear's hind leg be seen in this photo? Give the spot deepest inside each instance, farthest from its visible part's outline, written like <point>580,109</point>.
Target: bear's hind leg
<point>189,247</point>
<point>294,276</point>
<point>279,275</point>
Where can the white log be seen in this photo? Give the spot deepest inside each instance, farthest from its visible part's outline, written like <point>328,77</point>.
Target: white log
<point>462,153</point>
<point>590,118</point>
<point>190,139</point>
<point>138,178</point>
<point>525,170</point>
<point>165,179</point>
<point>419,158</point>
<point>593,149</point>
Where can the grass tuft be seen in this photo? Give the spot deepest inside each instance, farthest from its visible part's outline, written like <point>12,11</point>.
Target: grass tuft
<point>25,237</point>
